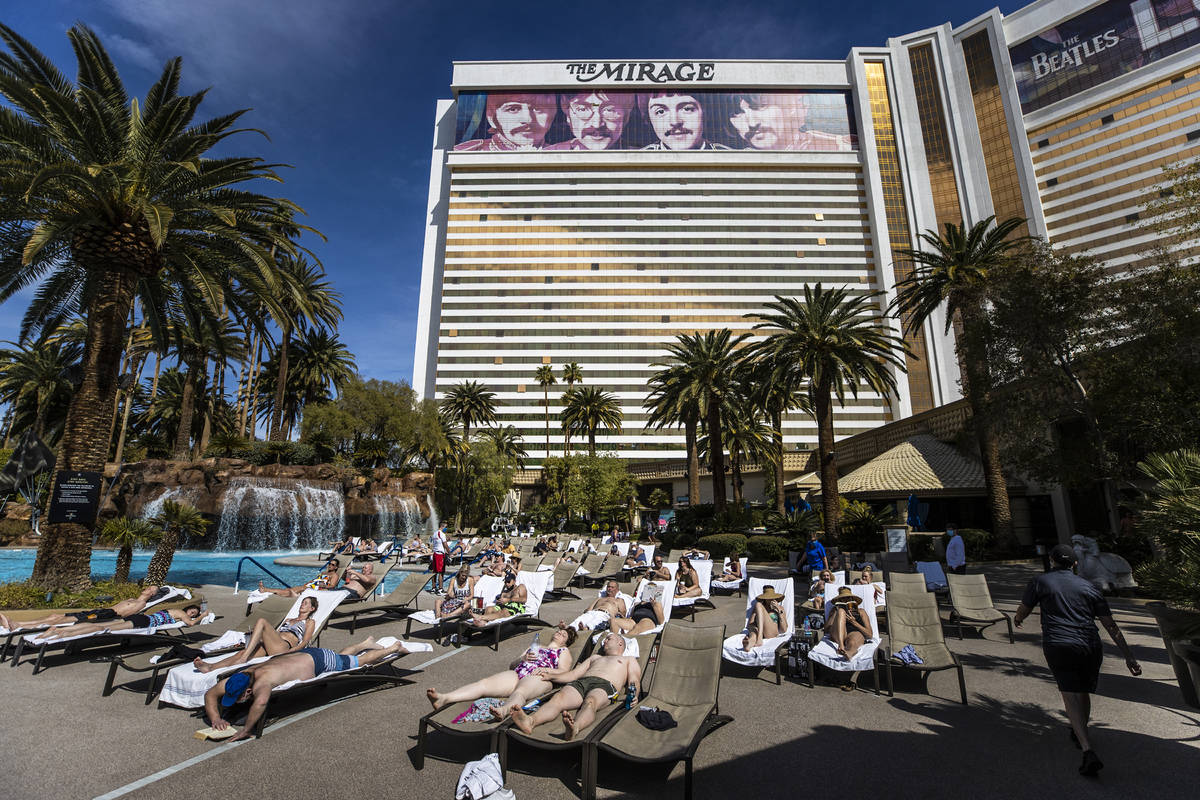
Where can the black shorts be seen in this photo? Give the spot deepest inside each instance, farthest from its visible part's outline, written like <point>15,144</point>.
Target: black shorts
<point>95,615</point>
<point>139,620</point>
<point>1076,668</point>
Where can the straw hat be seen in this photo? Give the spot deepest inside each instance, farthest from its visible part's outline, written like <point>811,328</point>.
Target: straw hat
<point>846,595</point>
<point>769,595</point>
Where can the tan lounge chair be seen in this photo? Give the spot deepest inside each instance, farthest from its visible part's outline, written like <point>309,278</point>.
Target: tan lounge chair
<point>913,619</point>
<point>564,573</point>
<point>686,683</point>
<point>971,603</point>
<point>396,604</point>
<point>906,582</point>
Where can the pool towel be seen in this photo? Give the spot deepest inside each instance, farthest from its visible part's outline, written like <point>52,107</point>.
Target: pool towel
<point>480,779</point>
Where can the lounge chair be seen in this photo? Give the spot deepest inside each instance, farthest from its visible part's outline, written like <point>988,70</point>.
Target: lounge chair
<point>486,587</point>
<point>688,605</point>
<point>185,687</point>
<point>550,736</point>
<point>595,572</point>
<point>560,582</point>
<point>825,653</point>
<point>686,683</point>
<point>254,597</point>
<point>913,619</point>
<point>381,554</point>
<point>396,604</point>
<point>535,584</point>
<point>738,586</point>
<point>442,720</point>
<point>907,582</point>
<point>934,575</point>
<point>590,618</point>
<point>771,652</point>
<point>971,603</point>
<point>668,592</point>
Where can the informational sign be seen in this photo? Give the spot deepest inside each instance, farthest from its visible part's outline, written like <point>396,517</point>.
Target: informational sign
<point>897,539</point>
<point>658,118</point>
<point>76,497</point>
<point>1102,43</point>
<point>681,501</point>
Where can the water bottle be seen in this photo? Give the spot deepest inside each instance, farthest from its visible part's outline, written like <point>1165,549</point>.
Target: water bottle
<point>630,695</point>
<point>536,646</point>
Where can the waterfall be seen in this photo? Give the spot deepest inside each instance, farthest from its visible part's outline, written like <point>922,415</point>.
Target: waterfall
<point>398,517</point>
<point>180,494</point>
<point>434,524</point>
<point>280,514</point>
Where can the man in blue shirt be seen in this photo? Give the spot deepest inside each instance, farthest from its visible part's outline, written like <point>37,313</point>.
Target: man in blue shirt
<point>1071,642</point>
<point>814,555</point>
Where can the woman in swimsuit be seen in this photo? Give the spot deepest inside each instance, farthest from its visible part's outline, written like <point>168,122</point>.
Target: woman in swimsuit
<point>816,591</point>
<point>646,614</point>
<point>326,580</point>
<point>291,635</point>
<point>458,591</point>
<point>768,619</point>
<point>688,582</point>
<point>848,627</point>
<point>520,682</point>
<point>509,603</point>
<point>734,571</point>
<point>867,579</point>
<point>188,615</point>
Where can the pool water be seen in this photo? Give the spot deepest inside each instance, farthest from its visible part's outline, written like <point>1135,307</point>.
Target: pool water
<point>188,566</point>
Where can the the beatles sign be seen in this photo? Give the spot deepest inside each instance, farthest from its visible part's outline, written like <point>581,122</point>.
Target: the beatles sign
<point>1107,41</point>
<point>642,71</point>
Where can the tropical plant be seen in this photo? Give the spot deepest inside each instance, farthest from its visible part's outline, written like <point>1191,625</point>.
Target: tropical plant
<point>588,409</point>
<point>177,521</point>
<point>226,442</point>
<point>104,198</point>
<point>671,403</point>
<point>470,403</point>
<point>659,498</point>
<point>199,339</point>
<point>862,526</point>
<point>777,390</point>
<point>36,380</point>
<point>792,524</point>
<point>507,441</point>
<point>127,534</point>
<point>1171,516</point>
<point>572,374</point>
<point>954,268</point>
<point>544,375</point>
<point>836,341</point>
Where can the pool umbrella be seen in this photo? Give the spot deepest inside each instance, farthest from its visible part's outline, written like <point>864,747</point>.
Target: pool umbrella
<point>914,513</point>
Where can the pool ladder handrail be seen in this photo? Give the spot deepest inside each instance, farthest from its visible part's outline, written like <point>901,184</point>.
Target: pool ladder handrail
<point>238,577</point>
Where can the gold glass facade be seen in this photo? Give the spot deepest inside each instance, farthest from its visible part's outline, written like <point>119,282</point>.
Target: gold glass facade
<point>938,156</point>
<point>899,232</point>
<point>994,140</point>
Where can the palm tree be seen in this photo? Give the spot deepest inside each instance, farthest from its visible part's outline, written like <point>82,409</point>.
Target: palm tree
<point>777,390</point>
<point>587,409</point>
<point>834,340</point>
<point>104,198</point>
<point>319,362</point>
<point>954,269</point>
<point>746,436</point>
<point>544,375</point>
<point>669,403</point>
<point>34,377</point>
<point>199,339</point>
<point>708,373</point>
<point>507,442</point>
<point>572,374</point>
<point>176,521</point>
<point>469,403</point>
<point>127,534</point>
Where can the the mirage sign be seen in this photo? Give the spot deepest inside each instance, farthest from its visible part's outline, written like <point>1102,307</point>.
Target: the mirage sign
<point>1112,39</point>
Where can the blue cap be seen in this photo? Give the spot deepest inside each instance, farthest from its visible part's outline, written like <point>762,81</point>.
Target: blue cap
<point>235,686</point>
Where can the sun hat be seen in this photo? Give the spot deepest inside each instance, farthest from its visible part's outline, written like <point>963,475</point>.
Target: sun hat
<point>769,594</point>
<point>235,686</point>
<point>846,595</point>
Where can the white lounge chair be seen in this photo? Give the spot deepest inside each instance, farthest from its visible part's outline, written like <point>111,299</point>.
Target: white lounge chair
<point>771,651</point>
<point>536,584</point>
<point>731,586</point>
<point>825,653</point>
<point>486,587</point>
<point>704,576</point>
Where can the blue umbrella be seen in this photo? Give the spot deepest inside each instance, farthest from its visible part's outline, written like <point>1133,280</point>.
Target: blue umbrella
<point>914,513</point>
<point>804,506</point>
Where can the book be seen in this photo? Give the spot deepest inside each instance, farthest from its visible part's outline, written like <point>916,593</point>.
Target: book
<point>216,735</point>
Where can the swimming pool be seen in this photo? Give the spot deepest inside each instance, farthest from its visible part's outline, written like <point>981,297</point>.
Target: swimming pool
<point>188,566</point>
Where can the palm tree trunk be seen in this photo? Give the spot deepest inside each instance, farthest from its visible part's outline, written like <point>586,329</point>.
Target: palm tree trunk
<point>276,434</point>
<point>735,470</point>
<point>592,442</point>
<point>827,459</point>
<point>693,456</point>
<point>716,455</point>
<point>206,430</point>
<point>777,435</point>
<point>10,417</point>
<point>154,382</point>
<point>124,561</point>
<point>125,417</point>
<point>252,419</point>
<point>64,555</point>
<point>187,404</point>
<point>160,564</point>
<point>546,402</point>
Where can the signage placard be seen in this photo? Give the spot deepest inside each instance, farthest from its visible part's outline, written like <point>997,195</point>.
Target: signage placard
<point>75,497</point>
<point>897,539</point>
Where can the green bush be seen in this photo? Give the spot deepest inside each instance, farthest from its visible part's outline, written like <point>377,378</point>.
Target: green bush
<point>5,455</point>
<point>975,541</point>
<point>26,595</point>
<point>767,548</point>
<point>862,527</point>
<point>920,548</point>
<point>720,545</point>
<point>262,453</point>
<point>795,525</point>
<point>12,529</point>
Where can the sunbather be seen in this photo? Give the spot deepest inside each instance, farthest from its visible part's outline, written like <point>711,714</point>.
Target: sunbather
<point>291,635</point>
<point>867,579</point>
<point>695,552</point>
<point>637,558</point>
<point>658,570</point>
<point>326,580</point>
<point>848,627</point>
<point>767,619</point>
<point>520,682</point>
<point>733,572</point>
<point>188,615</point>
<point>256,682</point>
<point>458,593</point>
<point>687,580</point>
<point>117,611</point>
<point>359,583</point>
<point>589,687</point>
<point>566,558</point>
<point>367,546</point>
<point>603,609</point>
<point>509,603</point>
<point>646,614</point>
<point>816,590</point>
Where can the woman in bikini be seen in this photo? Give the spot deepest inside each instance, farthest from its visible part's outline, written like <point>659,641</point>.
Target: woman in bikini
<point>768,618</point>
<point>520,682</point>
<point>867,579</point>
<point>734,571</point>
<point>646,614</point>
<point>848,626</point>
<point>687,580</point>
<point>510,603</point>
<point>458,593</point>
<point>291,635</point>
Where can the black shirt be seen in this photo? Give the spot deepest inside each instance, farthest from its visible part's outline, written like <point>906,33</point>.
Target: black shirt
<point>1069,606</point>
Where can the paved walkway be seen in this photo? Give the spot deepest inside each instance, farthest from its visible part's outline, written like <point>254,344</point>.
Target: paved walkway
<point>60,738</point>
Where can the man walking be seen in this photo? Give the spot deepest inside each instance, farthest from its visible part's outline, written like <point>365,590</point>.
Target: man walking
<point>956,551</point>
<point>1071,642</point>
<point>438,544</point>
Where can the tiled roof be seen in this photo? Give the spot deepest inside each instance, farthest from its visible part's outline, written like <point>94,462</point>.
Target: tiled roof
<point>920,464</point>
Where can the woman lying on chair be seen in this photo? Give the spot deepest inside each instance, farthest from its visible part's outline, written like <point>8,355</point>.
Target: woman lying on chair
<point>291,635</point>
<point>519,683</point>
<point>188,615</point>
<point>326,580</point>
<point>733,572</point>
<point>509,603</point>
<point>115,612</point>
<point>848,627</point>
<point>646,614</point>
<point>768,619</point>
<point>687,581</point>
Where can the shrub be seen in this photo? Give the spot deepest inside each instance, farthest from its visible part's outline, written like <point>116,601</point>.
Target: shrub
<point>26,595</point>
<point>261,453</point>
<point>976,542</point>
<point>720,545</point>
<point>767,548</point>
<point>1171,512</point>
<point>920,548</point>
<point>12,529</point>
<point>795,525</point>
<point>862,527</point>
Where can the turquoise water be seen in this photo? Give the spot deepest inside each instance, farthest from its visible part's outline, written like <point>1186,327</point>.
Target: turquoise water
<point>189,566</point>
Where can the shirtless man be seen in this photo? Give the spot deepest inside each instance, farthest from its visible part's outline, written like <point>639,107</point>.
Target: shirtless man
<point>113,613</point>
<point>589,687</point>
<point>360,583</point>
<point>255,683</point>
<point>603,609</point>
<point>326,580</point>
<point>658,570</point>
<point>189,615</point>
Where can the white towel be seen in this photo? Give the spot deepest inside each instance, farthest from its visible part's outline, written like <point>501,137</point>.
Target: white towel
<point>227,641</point>
<point>480,779</point>
<point>256,596</point>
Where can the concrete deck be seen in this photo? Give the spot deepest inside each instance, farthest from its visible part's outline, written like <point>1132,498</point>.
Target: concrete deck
<point>60,738</point>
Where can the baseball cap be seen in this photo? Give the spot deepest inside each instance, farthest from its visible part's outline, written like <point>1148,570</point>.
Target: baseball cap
<point>235,686</point>
<point>1063,555</point>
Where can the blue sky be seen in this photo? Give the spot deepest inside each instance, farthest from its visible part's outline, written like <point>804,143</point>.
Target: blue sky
<point>346,91</point>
